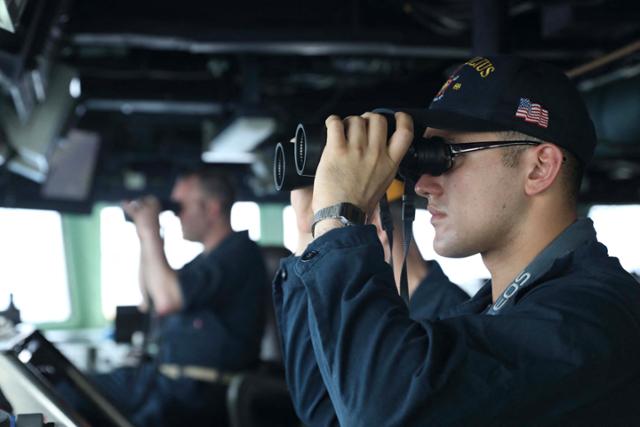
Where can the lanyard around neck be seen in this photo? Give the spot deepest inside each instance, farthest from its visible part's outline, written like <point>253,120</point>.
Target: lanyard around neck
<point>575,235</point>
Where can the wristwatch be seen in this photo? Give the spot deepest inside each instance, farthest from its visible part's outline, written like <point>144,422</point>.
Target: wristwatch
<point>347,213</point>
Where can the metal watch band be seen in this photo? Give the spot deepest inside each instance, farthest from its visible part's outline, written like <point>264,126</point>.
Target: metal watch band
<point>347,213</point>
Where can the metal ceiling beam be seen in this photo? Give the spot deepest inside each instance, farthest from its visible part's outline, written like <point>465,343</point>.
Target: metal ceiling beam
<point>152,106</point>
<point>489,30</point>
<point>302,48</point>
<point>305,48</point>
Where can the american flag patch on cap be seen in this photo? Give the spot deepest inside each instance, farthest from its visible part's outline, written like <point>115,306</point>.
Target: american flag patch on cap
<point>533,113</point>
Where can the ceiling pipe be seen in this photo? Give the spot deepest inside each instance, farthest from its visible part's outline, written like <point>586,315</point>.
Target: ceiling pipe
<point>613,100</point>
<point>303,48</point>
<point>604,60</point>
<point>156,106</point>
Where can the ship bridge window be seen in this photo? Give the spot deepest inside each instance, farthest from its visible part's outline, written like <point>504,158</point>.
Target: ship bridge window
<point>32,256</point>
<point>120,250</point>
<point>617,228</point>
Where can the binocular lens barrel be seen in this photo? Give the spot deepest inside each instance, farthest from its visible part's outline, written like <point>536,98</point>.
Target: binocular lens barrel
<point>311,139</point>
<point>296,169</point>
<point>309,142</point>
<point>278,166</point>
<point>285,176</point>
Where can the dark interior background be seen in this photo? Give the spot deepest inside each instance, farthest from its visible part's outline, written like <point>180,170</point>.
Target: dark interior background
<point>161,79</point>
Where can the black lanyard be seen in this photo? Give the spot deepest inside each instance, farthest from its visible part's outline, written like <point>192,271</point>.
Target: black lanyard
<point>408,215</point>
<point>575,235</point>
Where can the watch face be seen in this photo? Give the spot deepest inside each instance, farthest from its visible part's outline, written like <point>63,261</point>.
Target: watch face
<point>352,213</point>
<point>345,212</point>
<point>349,214</point>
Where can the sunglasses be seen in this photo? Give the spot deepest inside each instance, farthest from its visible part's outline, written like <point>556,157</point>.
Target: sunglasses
<point>434,156</point>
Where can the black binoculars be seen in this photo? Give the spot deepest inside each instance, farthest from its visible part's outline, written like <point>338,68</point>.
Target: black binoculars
<point>295,167</point>
<point>165,205</point>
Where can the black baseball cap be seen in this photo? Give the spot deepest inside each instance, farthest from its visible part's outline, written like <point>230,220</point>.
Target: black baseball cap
<point>498,93</point>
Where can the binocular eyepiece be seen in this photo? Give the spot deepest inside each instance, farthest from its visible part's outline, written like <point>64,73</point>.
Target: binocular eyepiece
<point>296,166</point>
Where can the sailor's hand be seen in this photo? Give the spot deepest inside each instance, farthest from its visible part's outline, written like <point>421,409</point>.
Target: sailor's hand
<point>144,213</point>
<point>357,163</point>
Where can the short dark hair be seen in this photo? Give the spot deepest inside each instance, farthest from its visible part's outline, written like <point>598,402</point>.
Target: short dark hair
<point>571,172</point>
<point>216,185</point>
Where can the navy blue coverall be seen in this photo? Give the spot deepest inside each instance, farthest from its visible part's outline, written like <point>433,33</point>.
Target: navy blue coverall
<point>434,294</point>
<point>563,349</point>
<point>219,326</point>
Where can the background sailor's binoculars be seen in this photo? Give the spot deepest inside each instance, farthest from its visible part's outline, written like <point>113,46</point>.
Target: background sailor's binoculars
<point>295,164</point>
